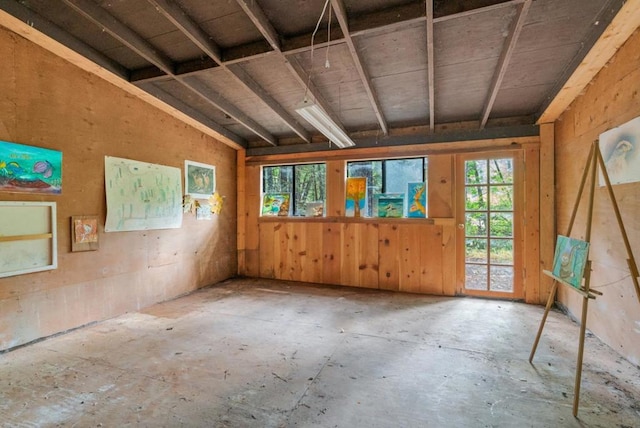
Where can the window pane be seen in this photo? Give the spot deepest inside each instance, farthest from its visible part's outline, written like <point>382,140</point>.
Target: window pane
<point>475,277</point>
<point>277,179</point>
<point>476,250</point>
<point>501,278</point>
<point>309,186</point>
<point>501,171</point>
<point>399,172</point>
<point>501,251</point>
<point>476,198</point>
<point>475,172</point>
<point>502,198</point>
<point>502,224</point>
<point>476,224</point>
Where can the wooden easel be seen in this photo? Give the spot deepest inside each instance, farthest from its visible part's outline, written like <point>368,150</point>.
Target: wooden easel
<point>593,162</point>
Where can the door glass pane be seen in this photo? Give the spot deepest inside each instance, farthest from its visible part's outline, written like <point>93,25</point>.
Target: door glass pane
<point>502,224</point>
<point>501,251</point>
<point>501,171</point>
<point>476,224</point>
<point>476,172</point>
<point>501,278</point>
<point>476,198</point>
<point>476,277</point>
<point>476,250</point>
<point>501,198</point>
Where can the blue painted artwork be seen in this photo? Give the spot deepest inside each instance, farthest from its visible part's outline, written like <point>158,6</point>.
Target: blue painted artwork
<point>570,260</point>
<point>417,200</point>
<point>28,169</point>
<point>391,205</point>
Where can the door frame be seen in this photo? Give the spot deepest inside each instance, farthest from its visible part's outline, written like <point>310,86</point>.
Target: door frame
<point>518,223</point>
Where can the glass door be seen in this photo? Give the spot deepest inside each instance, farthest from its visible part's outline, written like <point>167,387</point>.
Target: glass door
<point>488,226</point>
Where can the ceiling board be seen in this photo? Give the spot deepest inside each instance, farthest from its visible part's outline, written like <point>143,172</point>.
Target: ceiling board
<point>405,100</point>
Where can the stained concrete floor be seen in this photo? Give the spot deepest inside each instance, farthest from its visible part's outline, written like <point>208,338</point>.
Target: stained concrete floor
<point>255,353</point>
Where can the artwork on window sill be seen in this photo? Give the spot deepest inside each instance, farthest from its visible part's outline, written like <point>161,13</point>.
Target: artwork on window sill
<point>276,204</point>
<point>570,259</point>
<point>619,147</point>
<point>390,205</point>
<point>356,197</point>
<point>84,233</point>
<point>417,200</point>
<point>199,179</point>
<point>314,209</point>
<point>28,169</point>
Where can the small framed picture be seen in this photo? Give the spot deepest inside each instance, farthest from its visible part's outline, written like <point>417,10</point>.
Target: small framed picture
<point>199,179</point>
<point>84,233</point>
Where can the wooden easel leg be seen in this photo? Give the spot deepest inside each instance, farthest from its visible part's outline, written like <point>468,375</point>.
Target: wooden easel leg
<point>583,327</point>
<point>550,300</point>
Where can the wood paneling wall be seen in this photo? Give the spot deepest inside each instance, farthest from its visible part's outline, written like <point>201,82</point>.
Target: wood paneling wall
<point>48,102</point>
<point>611,99</point>
<point>406,255</point>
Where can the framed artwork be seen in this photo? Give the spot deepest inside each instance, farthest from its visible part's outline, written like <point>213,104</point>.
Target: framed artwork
<point>570,259</point>
<point>619,147</point>
<point>276,204</point>
<point>390,205</point>
<point>314,209</point>
<point>356,197</point>
<point>84,233</point>
<point>28,240</point>
<point>199,179</point>
<point>28,169</point>
<point>203,212</point>
<point>417,200</point>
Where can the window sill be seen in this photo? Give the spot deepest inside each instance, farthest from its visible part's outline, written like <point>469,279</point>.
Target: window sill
<point>373,220</point>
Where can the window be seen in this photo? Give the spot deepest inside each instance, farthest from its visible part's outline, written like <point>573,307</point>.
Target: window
<point>388,176</point>
<point>305,183</point>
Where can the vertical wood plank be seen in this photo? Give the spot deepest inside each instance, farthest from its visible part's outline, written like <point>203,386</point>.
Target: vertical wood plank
<point>297,253</point>
<point>532,225</point>
<point>441,186</point>
<point>350,254</point>
<point>251,213</point>
<point>331,253</point>
<point>431,260</point>
<point>241,211</point>
<point>266,250</point>
<point>336,175</point>
<point>368,255</point>
<point>449,259</point>
<point>409,237</point>
<point>547,207</point>
<point>313,245</point>
<point>388,256</point>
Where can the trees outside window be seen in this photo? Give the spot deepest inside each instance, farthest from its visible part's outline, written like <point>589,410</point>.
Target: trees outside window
<point>305,183</point>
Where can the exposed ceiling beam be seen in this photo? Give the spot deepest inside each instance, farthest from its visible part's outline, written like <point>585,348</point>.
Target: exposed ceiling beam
<point>190,111</point>
<point>430,65</point>
<point>505,58</point>
<point>484,9</point>
<point>615,24</point>
<point>96,14</point>
<point>341,15</point>
<point>178,17</point>
<point>268,31</point>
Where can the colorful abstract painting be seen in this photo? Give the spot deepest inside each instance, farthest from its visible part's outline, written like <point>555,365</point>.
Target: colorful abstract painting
<point>356,197</point>
<point>619,147</point>
<point>276,204</point>
<point>570,259</point>
<point>29,169</point>
<point>391,205</point>
<point>417,200</point>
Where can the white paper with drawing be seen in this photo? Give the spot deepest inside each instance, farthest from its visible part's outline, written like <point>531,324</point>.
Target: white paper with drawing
<point>142,196</point>
<point>619,147</point>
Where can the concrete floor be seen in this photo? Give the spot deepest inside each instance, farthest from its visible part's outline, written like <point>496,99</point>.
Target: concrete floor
<point>255,353</point>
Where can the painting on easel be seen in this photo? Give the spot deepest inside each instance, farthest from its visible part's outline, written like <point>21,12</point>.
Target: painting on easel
<point>570,259</point>
<point>619,147</point>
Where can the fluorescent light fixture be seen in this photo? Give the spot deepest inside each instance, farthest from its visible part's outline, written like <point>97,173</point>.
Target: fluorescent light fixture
<point>320,120</point>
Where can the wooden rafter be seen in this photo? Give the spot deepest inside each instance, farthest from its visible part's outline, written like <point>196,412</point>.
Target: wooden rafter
<point>257,16</point>
<point>505,58</point>
<point>170,10</point>
<point>96,14</point>
<point>430,66</point>
<point>341,15</point>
